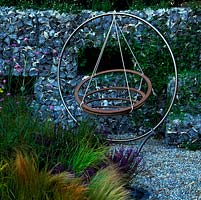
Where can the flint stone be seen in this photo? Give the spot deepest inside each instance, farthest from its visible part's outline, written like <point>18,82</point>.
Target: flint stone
<point>33,72</point>
<point>32,14</point>
<point>43,61</point>
<point>54,83</point>
<point>51,33</point>
<point>57,42</point>
<point>3,35</point>
<point>43,20</point>
<point>183,130</point>
<point>28,22</point>
<point>1,62</point>
<point>54,69</point>
<point>41,40</point>
<point>57,108</point>
<point>7,40</point>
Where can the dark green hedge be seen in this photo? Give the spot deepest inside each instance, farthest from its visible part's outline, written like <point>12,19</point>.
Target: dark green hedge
<point>95,4</point>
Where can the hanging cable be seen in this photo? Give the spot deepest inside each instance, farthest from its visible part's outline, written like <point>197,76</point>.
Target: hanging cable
<point>98,60</point>
<point>135,59</point>
<point>123,63</point>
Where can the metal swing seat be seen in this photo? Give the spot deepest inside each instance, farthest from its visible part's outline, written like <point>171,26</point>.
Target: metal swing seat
<point>111,110</point>
<point>97,101</point>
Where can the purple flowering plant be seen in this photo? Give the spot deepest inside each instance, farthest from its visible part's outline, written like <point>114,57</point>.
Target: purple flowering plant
<point>16,66</point>
<point>127,159</point>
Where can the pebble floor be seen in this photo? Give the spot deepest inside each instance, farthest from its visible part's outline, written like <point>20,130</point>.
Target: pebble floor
<point>170,173</point>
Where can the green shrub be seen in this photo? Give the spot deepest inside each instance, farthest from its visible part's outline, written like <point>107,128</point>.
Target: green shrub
<point>105,5</point>
<point>192,145</point>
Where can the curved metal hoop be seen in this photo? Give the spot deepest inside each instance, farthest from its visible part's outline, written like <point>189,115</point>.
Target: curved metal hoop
<point>168,47</point>
<point>113,110</point>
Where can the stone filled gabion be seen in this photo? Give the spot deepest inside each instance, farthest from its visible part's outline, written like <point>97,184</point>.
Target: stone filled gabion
<point>180,130</point>
<point>31,42</point>
<point>184,125</point>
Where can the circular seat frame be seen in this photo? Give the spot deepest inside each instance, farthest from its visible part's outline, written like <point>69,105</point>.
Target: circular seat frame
<point>114,110</point>
<point>121,14</point>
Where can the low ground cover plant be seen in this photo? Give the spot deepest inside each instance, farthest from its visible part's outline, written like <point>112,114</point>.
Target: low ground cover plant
<point>191,145</point>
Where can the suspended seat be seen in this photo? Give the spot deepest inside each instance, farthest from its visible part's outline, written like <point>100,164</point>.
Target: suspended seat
<point>99,101</point>
<point>119,95</point>
<point>110,106</point>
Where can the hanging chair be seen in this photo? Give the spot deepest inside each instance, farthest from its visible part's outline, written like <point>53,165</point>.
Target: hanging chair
<point>107,105</point>
<point>126,106</point>
<point>96,95</point>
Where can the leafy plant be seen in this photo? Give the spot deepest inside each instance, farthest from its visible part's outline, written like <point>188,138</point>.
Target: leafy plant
<point>189,92</point>
<point>107,184</point>
<point>192,145</point>
<point>101,5</point>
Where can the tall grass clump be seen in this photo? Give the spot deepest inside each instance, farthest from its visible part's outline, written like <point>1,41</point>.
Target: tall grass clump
<point>18,125</point>
<point>5,192</point>
<point>107,184</point>
<point>72,150</point>
<point>83,156</point>
<point>76,149</point>
<point>15,123</point>
<point>87,148</point>
<point>23,180</point>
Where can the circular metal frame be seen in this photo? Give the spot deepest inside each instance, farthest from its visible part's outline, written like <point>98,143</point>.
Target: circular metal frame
<point>112,112</point>
<point>164,40</point>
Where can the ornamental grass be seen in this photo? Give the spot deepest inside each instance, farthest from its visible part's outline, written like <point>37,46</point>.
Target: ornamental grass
<point>21,179</point>
<point>107,184</point>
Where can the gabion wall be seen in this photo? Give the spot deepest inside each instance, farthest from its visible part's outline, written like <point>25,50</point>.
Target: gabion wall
<point>31,42</point>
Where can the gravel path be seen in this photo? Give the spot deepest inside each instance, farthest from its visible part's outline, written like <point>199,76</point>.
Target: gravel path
<point>170,173</point>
